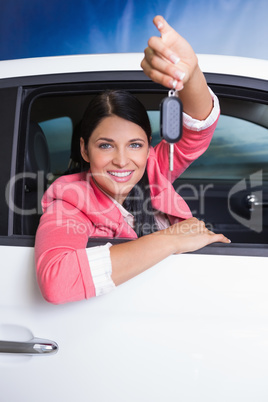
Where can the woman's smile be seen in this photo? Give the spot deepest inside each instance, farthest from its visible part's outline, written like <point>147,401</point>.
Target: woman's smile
<point>117,151</point>
<point>121,175</point>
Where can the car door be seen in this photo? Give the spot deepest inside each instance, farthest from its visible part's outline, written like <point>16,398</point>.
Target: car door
<point>194,327</point>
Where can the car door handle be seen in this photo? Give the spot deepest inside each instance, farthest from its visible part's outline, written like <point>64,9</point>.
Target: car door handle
<point>35,346</point>
<point>252,202</point>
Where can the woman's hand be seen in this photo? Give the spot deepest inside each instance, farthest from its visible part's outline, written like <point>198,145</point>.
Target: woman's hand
<point>171,62</point>
<point>169,58</point>
<point>190,235</point>
<point>134,257</point>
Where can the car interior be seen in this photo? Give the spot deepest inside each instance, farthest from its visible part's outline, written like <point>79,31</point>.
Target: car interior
<point>226,187</point>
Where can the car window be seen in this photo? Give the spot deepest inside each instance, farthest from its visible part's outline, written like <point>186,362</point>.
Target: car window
<point>58,133</point>
<point>238,148</point>
<point>227,186</point>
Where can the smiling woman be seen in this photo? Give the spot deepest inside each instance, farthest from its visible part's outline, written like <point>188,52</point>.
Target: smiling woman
<point>118,147</point>
<point>127,192</point>
<point>118,163</point>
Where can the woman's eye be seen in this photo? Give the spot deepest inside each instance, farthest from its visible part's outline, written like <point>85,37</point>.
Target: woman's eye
<point>105,146</point>
<point>136,145</point>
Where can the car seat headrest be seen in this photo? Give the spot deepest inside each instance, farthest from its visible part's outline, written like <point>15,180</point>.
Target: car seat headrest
<point>37,152</point>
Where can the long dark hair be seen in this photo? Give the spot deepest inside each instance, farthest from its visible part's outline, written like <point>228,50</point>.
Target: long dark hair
<point>125,105</point>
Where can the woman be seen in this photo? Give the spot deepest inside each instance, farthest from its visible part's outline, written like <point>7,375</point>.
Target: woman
<point>127,192</point>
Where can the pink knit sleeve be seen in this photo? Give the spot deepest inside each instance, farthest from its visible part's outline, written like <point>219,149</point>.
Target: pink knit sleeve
<point>62,264</point>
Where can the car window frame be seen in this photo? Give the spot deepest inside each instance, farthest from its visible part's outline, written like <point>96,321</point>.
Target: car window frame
<point>10,100</point>
<point>221,84</point>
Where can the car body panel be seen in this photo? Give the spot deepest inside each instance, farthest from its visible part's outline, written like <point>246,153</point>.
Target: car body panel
<point>219,64</point>
<point>194,327</point>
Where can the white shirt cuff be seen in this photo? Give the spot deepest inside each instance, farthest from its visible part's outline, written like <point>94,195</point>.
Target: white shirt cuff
<point>101,268</point>
<point>199,125</point>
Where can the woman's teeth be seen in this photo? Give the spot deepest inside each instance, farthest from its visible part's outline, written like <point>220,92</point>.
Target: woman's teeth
<point>120,174</point>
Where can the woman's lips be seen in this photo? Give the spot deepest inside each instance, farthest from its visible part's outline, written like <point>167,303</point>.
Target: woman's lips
<point>121,176</point>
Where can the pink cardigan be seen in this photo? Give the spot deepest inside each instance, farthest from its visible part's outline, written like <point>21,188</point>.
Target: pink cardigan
<point>76,209</point>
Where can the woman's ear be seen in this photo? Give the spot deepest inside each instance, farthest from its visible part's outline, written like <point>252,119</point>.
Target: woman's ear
<point>83,150</point>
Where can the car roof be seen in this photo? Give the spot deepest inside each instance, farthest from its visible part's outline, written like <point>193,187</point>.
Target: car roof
<point>230,65</point>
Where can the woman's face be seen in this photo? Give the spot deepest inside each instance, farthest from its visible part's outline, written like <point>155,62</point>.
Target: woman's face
<point>117,151</point>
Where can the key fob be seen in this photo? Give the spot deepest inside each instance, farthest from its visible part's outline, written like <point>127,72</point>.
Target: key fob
<point>171,119</point>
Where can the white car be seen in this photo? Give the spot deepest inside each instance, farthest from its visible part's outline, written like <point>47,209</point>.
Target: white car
<point>192,328</point>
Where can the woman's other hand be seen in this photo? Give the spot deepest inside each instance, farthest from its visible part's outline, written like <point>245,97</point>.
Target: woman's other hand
<point>132,258</point>
<point>190,235</point>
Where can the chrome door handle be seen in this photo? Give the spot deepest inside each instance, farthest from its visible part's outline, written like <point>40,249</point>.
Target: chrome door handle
<point>35,346</point>
<point>252,202</point>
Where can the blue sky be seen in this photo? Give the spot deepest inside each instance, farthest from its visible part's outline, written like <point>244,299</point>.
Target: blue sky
<point>33,28</point>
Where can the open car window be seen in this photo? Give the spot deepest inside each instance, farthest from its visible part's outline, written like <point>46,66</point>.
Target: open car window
<point>238,148</point>
<point>238,151</point>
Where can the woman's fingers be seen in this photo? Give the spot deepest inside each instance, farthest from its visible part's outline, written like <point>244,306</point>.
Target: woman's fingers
<point>192,234</point>
<point>161,58</point>
<point>163,27</point>
<point>158,70</point>
<point>194,226</point>
<point>159,47</point>
<point>170,55</point>
<point>218,238</point>
<point>197,226</point>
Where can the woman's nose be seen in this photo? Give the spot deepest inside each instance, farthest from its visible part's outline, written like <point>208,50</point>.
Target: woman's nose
<point>121,158</point>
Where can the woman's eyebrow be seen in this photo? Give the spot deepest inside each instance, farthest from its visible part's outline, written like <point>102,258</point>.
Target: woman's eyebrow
<point>136,139</point>
<point>111,140</point>
<point>105,139</point>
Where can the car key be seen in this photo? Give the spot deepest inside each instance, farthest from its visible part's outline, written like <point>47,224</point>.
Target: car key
<point>171,121</point>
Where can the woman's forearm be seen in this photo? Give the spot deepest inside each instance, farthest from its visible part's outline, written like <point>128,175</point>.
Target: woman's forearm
<point>134,257</point>
<point>195,96</point>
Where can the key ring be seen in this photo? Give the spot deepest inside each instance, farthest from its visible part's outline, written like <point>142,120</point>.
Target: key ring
<point>173,92</point>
